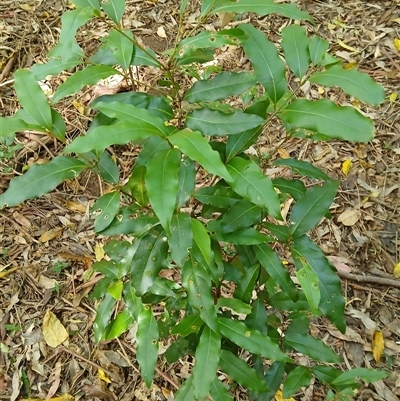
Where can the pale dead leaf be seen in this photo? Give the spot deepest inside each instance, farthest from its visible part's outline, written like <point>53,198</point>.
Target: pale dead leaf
<point>349,217</point>
<point>378,345</point>
<point>51,234</point>
<point>99,251</point>
<point>46,282</point>
<point>22,220</point>
<point>350,335</point>
<point>54,332</point>
<point>369,324</point>
<point>98,390</point>
<point>161,32</point>
<point>54,380</point>
<point>340,264</point>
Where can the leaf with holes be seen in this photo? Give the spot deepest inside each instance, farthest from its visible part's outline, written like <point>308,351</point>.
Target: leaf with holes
<point>105,209</point>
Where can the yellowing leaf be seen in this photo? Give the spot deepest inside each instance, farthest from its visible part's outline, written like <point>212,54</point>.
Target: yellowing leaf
<point>347,47</point>
<point>350,66</point>
<point>99,252</point>
<point>393,97</point>
<point>5,273</point>
<point>396,42</point>
<point>378,345</point>
<point>54,332</point>
<point>79,106</point>
<point>102,376</point>
<point>346,167</point>
<point>396,271</point>
<point>51,234</point>
<point>278,397</point>
<point>64,397</point>
<point>283,153</point>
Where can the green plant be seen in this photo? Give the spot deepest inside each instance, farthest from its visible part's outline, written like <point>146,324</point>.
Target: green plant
<point>221,239</point>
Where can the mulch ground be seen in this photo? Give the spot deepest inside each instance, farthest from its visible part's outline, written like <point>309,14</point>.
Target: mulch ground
<point>48,245</point>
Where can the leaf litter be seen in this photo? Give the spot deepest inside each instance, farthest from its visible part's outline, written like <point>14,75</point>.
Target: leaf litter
<point>39,237</point>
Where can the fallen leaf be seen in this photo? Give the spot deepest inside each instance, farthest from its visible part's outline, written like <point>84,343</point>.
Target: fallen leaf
<point>54,332</point>
<point>283,153</point>
<point>392,97</point>
<point>51,234</point>
<point>340,264</point>
<point>378,345</point>
<point>396,271</point>
<point>99,252</point>
<point>5,273</point>
<point>349,217</point>
<point>161,32</point>
<point>396,42</point>
<point>346,167</point>
<point>102,376</point>
<point>278,397</point>
<point>347,47</point>
<point>19,218</point>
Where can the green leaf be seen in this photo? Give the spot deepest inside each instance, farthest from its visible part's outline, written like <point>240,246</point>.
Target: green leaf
<point>161,287</point>
<point>162,184</point>
<point>261,8</point>
<point>258,318</point>
<point>246,284</point>
<point>197,283</point>
<point>137,185</point>
<point>188,325</point>
<point>218,196</point>
<point>207,39</point>
<point>178,349</point>
<point>149,258</point>
<point>324,117</point>
<point>32,98</point>
<point>215,123</point>
<point>317,48</point>
<point>119,325</point>
<point>147,344</point>
<point>40,179</point>
<point>133,302</point>
<point>235,305</point>
<point>103,315</point>
<point>242,214</point>
<point>238,143</point>
<point>115,10</point>
<point>299,377</point>
<point>105,209</point>
<point>125,223</point>
<point>146,56</point>
<point>310,209</point>
<point>326,374</point>
<point>367,375</point>
<point>251,340</point>
<point>273,378</point>
<point>240,372</point>
<point>185,392</point>
<point>198,56</point>
<point>354,83</point>
<point>107,168</point>
<point>311,347</point>
<point>219,392</point>
<point>221,86</point>
<point>53,67</point>
<point>207,360</point>
<point>195,146</point>
<point>187,181</point>
<point>58,128</point>
<point>181,238</point>
<point>310,284</point>
<point>264,57</point>
<point>303,168</point>
<point>87,3</point>
<point>295,188</point>
<point>88,76</point>
<point>122,47</point>
<point>275,268</point>
<point>10,125</point>
<point>249,182</point>
<point>202,239</point>
<point>150,148</point>
<point>295,47</point>
<point>115,290</point>
<point>332,301</point>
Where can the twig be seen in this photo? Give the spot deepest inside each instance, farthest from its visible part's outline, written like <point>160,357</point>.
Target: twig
<point>370,279</point>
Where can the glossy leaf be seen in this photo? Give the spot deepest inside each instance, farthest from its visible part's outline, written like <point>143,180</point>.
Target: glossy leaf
<point>221,86</point>
<point>133,302</point>
<point>251,340</point>
<point>258,318</point>
<point>103,315</point>
<point>187,181</point>
<point>149,258</point>
<point>150,148</point>
<point>207,361</point>
<point>242,214</point>
<point>236,144</point>
<point>188,325</point>
<point>77,81</point>
<point>146,56</point>
<point>195,146</point>
<point>87,3</point>
<point>299,377</point>
<point>207,39</point>
<point>119,325</point>
<point>353,82</point>
<point>105,209</point>
<point>265,7</point>
<point>10,125</point>
<point>218,196</point>
<point>215,123</point>
<point>332,301</point>
<point>122,47</point>
<point>181,238</point>
<point>53,67</point>
<point>310,209</point>
<point>114,9</point>
<point>40,179</point>
<point>273,377</point>
<point>202,239</point>
<point>303,167</point>
<point>310,284</point>
<point>219,392</point>
<point>197,283</point>
<point>295,188</point>
<point>235,305</point>
<point>32,98</point>
<point>295,47</point>
<point>249,182</point>
<point>185,392</point>
<point>198,56</point>
<point>312,347</point>
<point>162,184</point>
<point>137,185</point>
<point>125,223</point>
<point>147,344</point>
<point>246,284</point>
<point>367,375</point>
<point>317,48</point>
<point>240,372</point>
<point>275,268</point>
<point>324,117</point>
<point>264,57</point>
<point>161,287</point>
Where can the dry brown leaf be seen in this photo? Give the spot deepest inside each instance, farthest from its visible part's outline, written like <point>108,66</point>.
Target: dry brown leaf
<point>51,234</point>
<point>340,264</point>
<point>54,332</point>
<point>99,391</point>
<point>378,345</point>
<point>54,380</point>
<point>349,217</point>
<point>22,220</point>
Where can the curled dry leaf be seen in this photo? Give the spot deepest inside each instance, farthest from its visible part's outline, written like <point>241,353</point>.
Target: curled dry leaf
<point>340,264</point>
<point>349,217</point>
<point>98,390</point>
<point>54,332</point>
